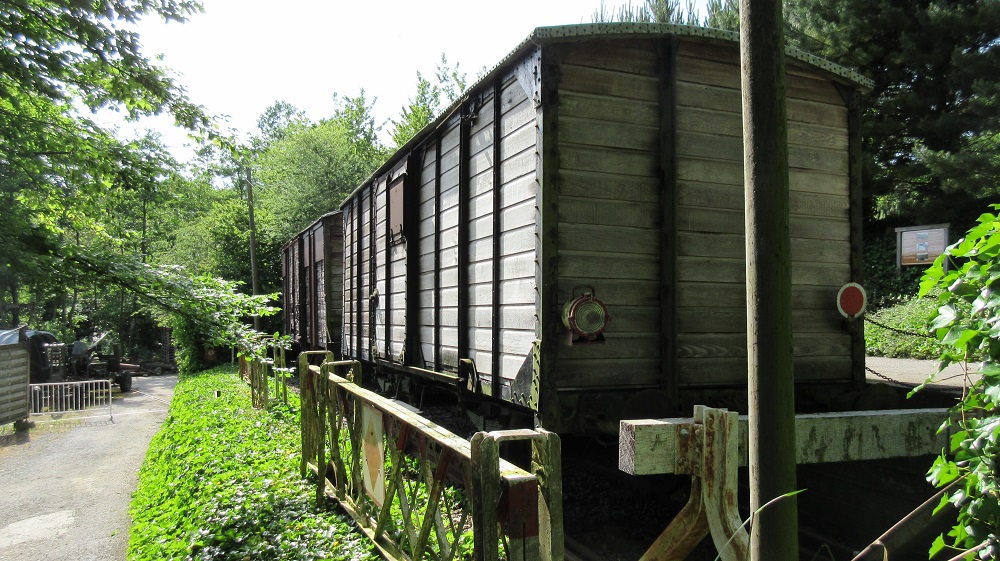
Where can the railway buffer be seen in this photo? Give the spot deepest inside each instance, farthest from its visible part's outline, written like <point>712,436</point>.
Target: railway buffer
<point>713,444</point>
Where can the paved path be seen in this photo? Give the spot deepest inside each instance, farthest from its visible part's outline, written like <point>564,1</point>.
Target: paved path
<point>913,371</point>
<point>67,482</point>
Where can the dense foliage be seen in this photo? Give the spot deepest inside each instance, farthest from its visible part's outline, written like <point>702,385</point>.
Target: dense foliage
<point>968,324</point>
<point>720,14</point>
<point>85,213</point>
<point>900,331</point>
<point>931,125</point>
<point>885,282</point>
<point>312,167</point>
<point>221,482</point>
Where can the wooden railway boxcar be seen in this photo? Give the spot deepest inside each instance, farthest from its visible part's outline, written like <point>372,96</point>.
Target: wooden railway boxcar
<point>568,237</point>
<point>313,274</point>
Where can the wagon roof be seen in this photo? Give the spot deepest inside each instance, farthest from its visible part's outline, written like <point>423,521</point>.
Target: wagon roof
<point>310,226</point>
<point>569,33</point>
<point>581,32</point>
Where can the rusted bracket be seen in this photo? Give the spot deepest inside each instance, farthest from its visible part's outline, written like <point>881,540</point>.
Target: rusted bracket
<point>707,448</point>
<point>711,445</point>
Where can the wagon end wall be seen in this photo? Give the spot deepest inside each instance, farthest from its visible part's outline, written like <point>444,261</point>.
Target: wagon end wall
<point>650,217</point>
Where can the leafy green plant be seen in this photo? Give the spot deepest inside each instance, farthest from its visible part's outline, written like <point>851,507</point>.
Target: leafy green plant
<point>221,482</point>
<point>968,323</point>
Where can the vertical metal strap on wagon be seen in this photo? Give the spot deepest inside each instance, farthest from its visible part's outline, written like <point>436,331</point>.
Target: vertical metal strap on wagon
<point>464,134</point>
<point>372,270</point>
<point>497,232</point>
<point>437,254</point>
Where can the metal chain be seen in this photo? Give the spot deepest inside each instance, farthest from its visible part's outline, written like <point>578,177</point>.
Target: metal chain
<point>900,331</point>
<point>895,330</point>
<point>883,376</point>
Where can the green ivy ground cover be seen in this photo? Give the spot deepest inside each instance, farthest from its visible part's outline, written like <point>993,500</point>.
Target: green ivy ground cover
<point>221,482</point>
<point>912,317</point>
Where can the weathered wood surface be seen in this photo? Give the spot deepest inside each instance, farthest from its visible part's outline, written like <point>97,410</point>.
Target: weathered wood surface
<point>650,446</point>
<point>711,273</point>
<point>14,380</point>
<point>500,179</point>
<point>609,209</point>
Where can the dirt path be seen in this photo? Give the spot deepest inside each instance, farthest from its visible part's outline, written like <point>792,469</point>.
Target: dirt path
<point>67,482</point>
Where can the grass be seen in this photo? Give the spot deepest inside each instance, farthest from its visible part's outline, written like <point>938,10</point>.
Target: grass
<point>912,316</point>
<point>221,482</point>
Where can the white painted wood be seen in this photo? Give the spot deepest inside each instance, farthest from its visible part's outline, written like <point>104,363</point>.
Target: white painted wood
<point>649,446</point>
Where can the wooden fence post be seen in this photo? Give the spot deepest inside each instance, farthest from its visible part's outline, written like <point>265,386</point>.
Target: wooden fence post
<point>307,414</point>
<point>485,496</point>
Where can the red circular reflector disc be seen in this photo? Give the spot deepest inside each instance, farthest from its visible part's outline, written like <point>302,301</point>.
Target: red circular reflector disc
<point>851,300</point>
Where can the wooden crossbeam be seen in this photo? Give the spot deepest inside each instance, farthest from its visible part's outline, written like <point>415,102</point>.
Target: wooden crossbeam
<point>650,446</point>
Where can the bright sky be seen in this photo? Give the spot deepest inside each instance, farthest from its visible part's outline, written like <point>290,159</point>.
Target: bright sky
<point>240,56</point>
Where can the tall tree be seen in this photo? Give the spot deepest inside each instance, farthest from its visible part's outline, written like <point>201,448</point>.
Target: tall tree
<point>60,172</point>
<point>723,14</point>
<point>657,11</point>
<point>428,100</point>
<point>275,122</point>
<point>932,121</point>
<point>313,167</point>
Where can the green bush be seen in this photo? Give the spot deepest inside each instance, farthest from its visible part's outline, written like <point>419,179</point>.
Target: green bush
<point>221,482</point>
<point>912,316</point>
<point>885,283</point>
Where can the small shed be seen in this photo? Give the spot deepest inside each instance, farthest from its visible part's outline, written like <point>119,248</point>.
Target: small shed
<point>14,383</point>
<point>568,237</point>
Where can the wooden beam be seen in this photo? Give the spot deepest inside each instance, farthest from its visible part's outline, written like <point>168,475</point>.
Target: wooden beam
<point>771,380</point>
<point>655,446</point>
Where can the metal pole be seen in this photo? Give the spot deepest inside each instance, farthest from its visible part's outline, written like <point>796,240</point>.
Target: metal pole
<point>774,534</point>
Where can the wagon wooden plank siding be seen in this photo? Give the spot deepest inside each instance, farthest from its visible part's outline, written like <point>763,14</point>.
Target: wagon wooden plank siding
<point>711,261</point>
<point>597,173</point>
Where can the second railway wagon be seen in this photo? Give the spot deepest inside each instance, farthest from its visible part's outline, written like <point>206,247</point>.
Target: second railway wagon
<point>567,239</point>
<point>313,279</point>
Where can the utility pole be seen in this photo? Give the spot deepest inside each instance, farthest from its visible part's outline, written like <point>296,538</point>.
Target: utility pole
<point>774,535</point>
<point>254,283</point>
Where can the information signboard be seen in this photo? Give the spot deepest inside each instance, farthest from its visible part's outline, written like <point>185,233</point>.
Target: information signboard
<point>920,245</point>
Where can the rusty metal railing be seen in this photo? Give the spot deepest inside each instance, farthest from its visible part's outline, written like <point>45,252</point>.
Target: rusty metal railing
<point>418,491</point>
